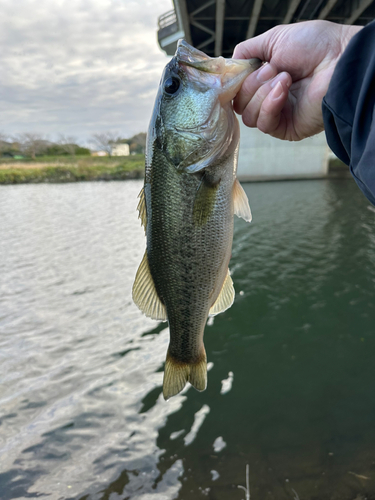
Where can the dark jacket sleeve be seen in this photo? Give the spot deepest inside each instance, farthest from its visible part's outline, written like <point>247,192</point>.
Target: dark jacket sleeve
<point>348,109</point>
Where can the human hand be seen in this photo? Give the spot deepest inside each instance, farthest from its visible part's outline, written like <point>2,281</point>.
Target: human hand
<point>284,97</point>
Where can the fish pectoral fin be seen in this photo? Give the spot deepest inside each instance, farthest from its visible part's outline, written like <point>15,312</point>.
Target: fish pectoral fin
<point>241,202</point>
<point>142,208</point>
<point>225,298</point>
<point>204,203</point>
<point>145,295</point>
<point>177,373</point>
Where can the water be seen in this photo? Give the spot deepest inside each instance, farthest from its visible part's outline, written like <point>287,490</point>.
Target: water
<point>291,384</point>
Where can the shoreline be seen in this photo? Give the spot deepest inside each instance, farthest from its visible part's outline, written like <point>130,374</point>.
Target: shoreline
<point>112,169</point>
<point>57,170</point>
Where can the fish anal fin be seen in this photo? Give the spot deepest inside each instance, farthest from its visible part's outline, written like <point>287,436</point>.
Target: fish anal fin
<point>145,295</point>
<point>241,202</point>
<point>177,374</point>
<point>142,208</point>
<point>225,298</point>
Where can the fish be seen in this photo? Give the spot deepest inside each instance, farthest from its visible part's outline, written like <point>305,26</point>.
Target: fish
<point>187,203</point>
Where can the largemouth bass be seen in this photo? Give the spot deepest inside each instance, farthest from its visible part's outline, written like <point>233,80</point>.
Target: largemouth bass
<point>187,204</point>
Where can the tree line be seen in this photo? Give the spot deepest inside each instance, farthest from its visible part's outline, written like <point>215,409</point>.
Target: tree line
<point>31,145</point>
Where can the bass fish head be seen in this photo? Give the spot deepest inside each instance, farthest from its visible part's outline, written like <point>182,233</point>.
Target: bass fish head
<point>193,115</point>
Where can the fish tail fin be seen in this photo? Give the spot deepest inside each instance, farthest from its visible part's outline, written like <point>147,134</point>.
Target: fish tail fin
<point>177,373</point>
<point>198,373</point>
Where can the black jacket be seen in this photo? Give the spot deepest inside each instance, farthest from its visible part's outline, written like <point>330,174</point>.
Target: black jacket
<point>348,109</point>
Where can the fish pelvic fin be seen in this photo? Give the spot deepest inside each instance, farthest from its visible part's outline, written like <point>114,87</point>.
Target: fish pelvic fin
<point>145,295</point>
<point>177,373</point>
<point>241,202</point>
<point>225,298</point>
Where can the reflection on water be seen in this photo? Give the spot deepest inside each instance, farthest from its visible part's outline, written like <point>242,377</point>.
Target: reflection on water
<point>291,384</point>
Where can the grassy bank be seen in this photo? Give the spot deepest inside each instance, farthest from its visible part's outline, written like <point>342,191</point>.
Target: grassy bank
<point>58,169</point>
<point>89,168</point>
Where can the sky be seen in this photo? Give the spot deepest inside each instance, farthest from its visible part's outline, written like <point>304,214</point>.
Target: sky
<point>78,67</point>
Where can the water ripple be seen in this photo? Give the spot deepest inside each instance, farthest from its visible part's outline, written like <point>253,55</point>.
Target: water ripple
<point>82,414</point>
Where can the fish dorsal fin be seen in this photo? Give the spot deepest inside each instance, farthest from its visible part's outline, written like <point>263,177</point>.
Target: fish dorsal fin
<point>142,208</point>
<point>241,202</point>
<point>225,298</point>
<point>144,293</point>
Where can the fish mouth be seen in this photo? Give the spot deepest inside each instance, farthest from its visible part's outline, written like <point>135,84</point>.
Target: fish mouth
<point>187,53</point>
<point>228,73</point>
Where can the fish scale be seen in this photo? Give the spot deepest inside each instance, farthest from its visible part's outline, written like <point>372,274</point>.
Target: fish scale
<point>184,279</point>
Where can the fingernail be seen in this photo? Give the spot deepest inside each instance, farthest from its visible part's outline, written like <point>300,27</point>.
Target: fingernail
<point>265,73</point>
<point>280,77</point>
<point>277,91</point>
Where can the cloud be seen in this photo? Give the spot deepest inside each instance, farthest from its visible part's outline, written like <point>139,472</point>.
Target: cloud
<point>79,66</point>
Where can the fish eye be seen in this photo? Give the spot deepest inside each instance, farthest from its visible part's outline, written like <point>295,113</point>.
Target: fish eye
<point>171,85</point>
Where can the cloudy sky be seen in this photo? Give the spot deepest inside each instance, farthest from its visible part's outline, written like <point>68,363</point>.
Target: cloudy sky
<point>77,67</point>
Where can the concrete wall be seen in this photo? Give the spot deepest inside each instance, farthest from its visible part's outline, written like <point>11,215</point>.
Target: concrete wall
<point>263,157</point>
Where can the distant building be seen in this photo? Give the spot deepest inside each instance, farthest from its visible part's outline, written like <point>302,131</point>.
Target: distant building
<point>99,153</point>
<point>120,149</point>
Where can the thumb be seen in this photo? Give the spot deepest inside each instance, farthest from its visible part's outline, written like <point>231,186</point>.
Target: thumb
<point>254,47</point>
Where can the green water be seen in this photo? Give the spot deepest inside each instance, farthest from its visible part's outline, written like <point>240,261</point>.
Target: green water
<point>82,411</point>
<point>300,340</point>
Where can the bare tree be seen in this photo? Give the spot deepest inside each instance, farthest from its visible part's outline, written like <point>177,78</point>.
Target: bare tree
<point>139,139</point>
<point>3,136</point>
<point>32,143</point>
<point>138,143</point>
<point>105,140</point>
<point>68,144</point>
<point>4,144</point>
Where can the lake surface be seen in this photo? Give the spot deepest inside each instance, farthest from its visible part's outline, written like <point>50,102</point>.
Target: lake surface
<point>291,386</point>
